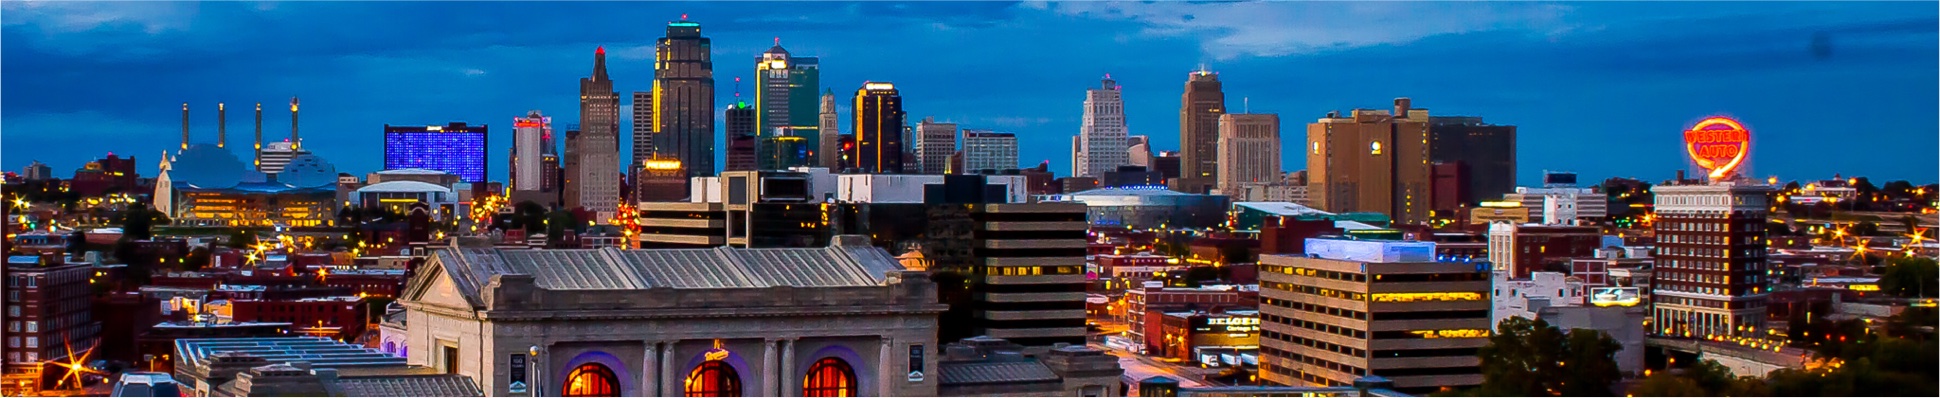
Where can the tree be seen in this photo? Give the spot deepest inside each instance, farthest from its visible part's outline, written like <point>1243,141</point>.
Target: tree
<point>557,224</point>
<point>136,223</point>
<point>1911,277</point>
<point>242,239</point>
<point>198,258</point>
<point>529,216</point>
<point>77,243</point>
<point>1705,379</point>
<point>1530,358</point>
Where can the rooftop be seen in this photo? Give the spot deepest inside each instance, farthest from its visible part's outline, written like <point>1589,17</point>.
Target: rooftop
<point>317,351</point>
<point>838,265</point>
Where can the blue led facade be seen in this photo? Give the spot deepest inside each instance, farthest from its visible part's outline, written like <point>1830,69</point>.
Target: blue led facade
<point>455,148</point>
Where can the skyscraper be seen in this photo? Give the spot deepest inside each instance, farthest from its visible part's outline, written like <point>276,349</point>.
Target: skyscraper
<point>741,119</point>
<point>830,135</point>
<point>1371,161</point>
<point>878,129</point>
<point>935,142</point>
<point>599,141</point>
<point>454,148</point>
<point>642,131</point>
<point>1249,150</point>
<point>1102,137</point>
<point>1488,150</point>
<point>1199,112</point>
<point>986,150</point>
<point>787,99</point>
<point>1713,277</point>
<point>683,98</point>
<point>569,196</point>
<point>529,135</point>
<point>1138,151</point>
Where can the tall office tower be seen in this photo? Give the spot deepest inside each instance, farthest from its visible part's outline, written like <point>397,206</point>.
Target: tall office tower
<point>1199,111</point>
<point>222,126</point>
<point>1371,161</point>
<point>454,148</point>
<point>599,141</point>
<point>782,149</point>
<point>878,129</point>
<point>1249,150</point>
<point>987,150</point>
<point>276,155</point>
<point>642,130</point>
<point>1350,308</point>
<point>1138,151</point>
<point>258,160</point>
<point>569,196</point>
<point>829,139</point>
<point>1488,150</point>
<point>1103,133</point>
<point>741,119</point>
<point>935,142</point>
<point>1711,277</point>
<point>787,98</point>
<point>529,135</point>
<point>683,98</point>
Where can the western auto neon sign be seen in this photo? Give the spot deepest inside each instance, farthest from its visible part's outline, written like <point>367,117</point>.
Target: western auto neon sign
<point>1718,144</point>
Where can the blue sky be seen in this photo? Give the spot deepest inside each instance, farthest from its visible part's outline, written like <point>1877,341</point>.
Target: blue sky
<point>1600,88</point>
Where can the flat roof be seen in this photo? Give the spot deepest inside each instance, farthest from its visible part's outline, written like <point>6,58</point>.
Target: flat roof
<point>319,352</point>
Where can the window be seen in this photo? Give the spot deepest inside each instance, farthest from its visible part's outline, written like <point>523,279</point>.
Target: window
<point>592,380</point>
<point>33,342</point>
<point>33,326</point>
<point>713,379</point>
<point>830,377</point>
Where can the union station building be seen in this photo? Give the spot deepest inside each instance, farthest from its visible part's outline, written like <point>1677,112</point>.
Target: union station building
<point>842,320</point>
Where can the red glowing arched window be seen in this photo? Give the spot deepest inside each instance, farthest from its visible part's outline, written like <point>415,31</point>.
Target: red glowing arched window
<point>592,380</point>
<point>713,379</point>
<point>829,377</point>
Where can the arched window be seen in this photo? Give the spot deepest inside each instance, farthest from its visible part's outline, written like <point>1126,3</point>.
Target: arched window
<point>592,380</point>
<point>390,347</point>
<point>829,377</point>
<point>713,379</point>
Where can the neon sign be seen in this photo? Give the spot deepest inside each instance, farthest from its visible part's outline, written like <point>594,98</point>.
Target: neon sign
<point>1718,144</point>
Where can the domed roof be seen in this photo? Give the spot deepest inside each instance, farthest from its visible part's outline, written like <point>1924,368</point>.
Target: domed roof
<point>308,170</point>
<point>207,166</point>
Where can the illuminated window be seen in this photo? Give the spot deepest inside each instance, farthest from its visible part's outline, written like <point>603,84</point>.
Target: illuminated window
<point>592,380</point>
<point>713,379</point>
<point>829,377</point>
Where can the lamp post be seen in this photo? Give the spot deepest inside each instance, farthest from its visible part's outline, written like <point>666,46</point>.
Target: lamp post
<point>538,372</point>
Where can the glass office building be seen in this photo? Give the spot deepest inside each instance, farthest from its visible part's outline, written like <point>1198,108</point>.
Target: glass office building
<point>455,148</point>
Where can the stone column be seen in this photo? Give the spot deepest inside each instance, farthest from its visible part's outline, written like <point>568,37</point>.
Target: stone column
<point>670,384</point>
<point>788,370</point>
<point>886,369</point>
<point>768,376</point>
<point>650,356</point>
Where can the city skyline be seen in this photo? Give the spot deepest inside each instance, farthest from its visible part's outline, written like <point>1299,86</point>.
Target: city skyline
<point>1576,79</point>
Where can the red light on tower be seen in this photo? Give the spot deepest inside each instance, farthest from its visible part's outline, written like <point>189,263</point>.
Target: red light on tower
<point>1718,144</point>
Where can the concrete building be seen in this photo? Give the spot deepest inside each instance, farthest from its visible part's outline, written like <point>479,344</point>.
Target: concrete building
<point>304,366</point>
<point>1147,208</point>
<point>741,125</point>
<point>986,152</point>
<point>986,367</point>
<point>1138,150</point>
<point>787,101</point>
<point>829,154</point>
<point>878,130</point>
<point>643,132</point>
<point>208,186</point>
<point>1248,150</point>
<point>398,196</point>
<point>722,322</point>
<point>1560,202</point>
<point>1353,308</point>
<point>1710,275</point>
<point>683,98</point>
<point>1488,151</point>
<point>1523,297</point>
<point>49,323</point>
<point>599,146</point>
<point>1524,249</point>
<point>1100,146</point>
<point>1199,111</point>
<point>1211,337</point>
<point>37,171</point>
<point>1371,160</point>
<point>529,136</point>
<point>1147,304</point>
<point>935,142</point>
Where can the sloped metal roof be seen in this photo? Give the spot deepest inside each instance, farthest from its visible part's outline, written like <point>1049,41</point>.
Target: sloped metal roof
<point>991,372</point>
<point>409,386</point>
<point>717,268</point>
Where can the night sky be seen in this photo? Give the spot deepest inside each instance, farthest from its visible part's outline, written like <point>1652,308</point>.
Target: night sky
<point>1603,89</point>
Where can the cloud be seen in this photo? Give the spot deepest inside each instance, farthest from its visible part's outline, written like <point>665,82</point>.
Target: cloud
<point>58,17</point>
<point>473,72</point>
<point>1228,30</point>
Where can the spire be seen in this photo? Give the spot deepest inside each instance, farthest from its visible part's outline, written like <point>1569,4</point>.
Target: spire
<point>222,126</point>
<point>599,63</point>
<point>295,144</point>
<point>185,126</point>
<point>259,137</point>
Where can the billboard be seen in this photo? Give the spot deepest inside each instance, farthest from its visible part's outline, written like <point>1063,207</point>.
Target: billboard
<point>1718,144</point>
<point>1615,296</point>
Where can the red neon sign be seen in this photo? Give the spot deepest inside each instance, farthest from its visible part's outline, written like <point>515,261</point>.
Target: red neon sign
<point>1718,144</point>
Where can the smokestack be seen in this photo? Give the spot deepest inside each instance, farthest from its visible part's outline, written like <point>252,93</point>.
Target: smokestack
<point>1401,106</point>
<point>222,126</point>
<point>295,143</point>
<point>185,126</point>
<point>259,136</point>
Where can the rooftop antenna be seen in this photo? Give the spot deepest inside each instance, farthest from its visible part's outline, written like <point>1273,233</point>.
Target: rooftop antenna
<point>737,89</point>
